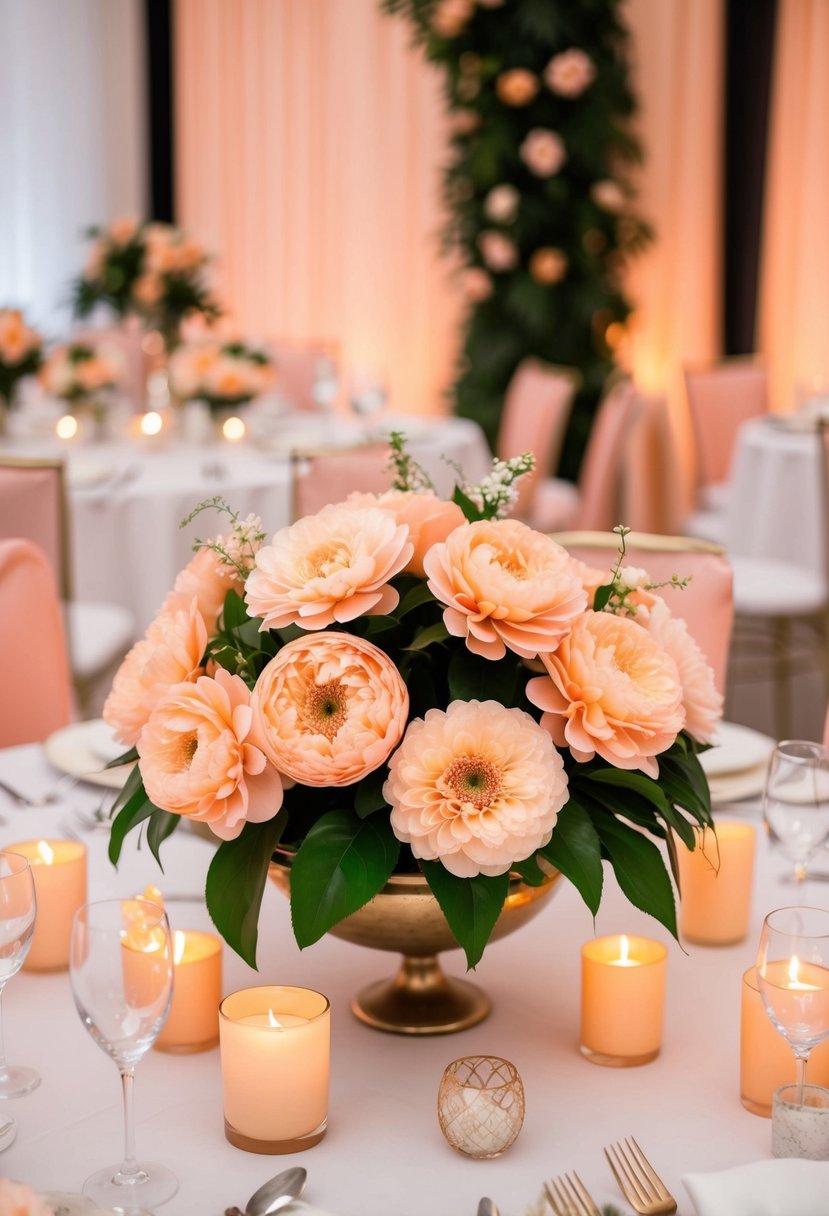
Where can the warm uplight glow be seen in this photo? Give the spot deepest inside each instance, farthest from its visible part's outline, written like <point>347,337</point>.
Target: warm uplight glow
<point>67,427</point>
<point>794,977</point>
<point>233,429</point>
<point>179,942</point>
<point>151,423</point>
<point>45,853</point>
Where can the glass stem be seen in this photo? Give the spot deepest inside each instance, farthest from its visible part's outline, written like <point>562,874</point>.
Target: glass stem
<point>129,1166</point>
<point>801,1060</point>
<point>4,1070</point>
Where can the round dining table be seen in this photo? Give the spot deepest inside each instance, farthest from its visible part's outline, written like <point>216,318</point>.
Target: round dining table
<point>383,1153</point>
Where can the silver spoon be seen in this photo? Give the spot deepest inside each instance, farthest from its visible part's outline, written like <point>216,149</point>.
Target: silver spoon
<point>277,1193</point>
<point>487,1208</point>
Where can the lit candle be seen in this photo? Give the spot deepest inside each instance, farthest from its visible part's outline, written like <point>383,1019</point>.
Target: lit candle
<point>193,1021</point>
<point>766,1059</point>
<point>622,999</point>
<point>716,882</point>
<point>59,872</point>
<point>66,427</point>
<point>151,423</point>
<point>233,429</point>
<point>275,1065</point>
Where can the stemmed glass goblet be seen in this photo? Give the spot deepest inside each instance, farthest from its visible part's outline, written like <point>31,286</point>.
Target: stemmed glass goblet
<point>796,801</point>
<point>18,909</point>
<point>366,394</point>
<point>793,978</point>
<point>121,970</point>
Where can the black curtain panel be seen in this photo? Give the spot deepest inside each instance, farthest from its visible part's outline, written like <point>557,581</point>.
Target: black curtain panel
<point>749,46</point>
<point>158,24</point>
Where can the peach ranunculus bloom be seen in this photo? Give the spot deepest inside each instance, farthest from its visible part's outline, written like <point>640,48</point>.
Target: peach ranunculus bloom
<point>330,709</point>
<point>505,586</point>
<point>611,690</point>
<point>569,73</point>
<point>477,787</point>
<point>189,365</point>
<point>543,152</point>
<point>502,203</point>
<point>429,519</point>
<point>207,578</point>
<point>703,702</point>
<point>148,289</point>
<point>608,195</point>
<point>18,1199</point>
<point>548,265</point>
<point>476,284</point>
<point>170,653</point>
<point>450,17</point>
<point>497,250</point>
<point>329,568</point>
<point>17,339</point>
<point>201,756</point>
<point>516,87</point>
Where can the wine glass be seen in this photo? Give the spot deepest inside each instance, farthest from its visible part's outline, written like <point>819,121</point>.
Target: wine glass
<point>793,978</point>
<point>121,969</point>
<point>796,801</point>
<point>366,393</point>
<point>18,908</point>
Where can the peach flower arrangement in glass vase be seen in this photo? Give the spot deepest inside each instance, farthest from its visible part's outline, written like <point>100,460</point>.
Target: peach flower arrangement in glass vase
<point>403,684</point>
<point>222,373</point>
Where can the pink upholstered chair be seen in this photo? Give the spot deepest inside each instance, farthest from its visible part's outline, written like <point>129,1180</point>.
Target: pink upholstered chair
<point>536,410</point>
<point>706,604</point>
<point>296,370</point>
<point>37,695</point>
<point>594,504</point>
<point>323,477</point>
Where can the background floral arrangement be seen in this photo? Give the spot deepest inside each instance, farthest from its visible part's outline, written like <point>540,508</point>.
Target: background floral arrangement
<point>79,371</point>
<point>20,350</point>
<point>536,189</point>
<point>400,683</point>
<point>220,373</point>
<point>151,270</point>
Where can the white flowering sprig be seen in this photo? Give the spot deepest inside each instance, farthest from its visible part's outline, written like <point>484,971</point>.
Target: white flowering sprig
<point>239,547</point>
<point>494,497</point>
<point>625,580</point>
<point>409,476</point>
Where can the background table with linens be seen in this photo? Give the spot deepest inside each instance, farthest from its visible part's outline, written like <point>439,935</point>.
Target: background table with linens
<point>384,1152</point>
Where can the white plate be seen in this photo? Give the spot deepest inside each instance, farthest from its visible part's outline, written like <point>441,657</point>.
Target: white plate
<point>736,749</point>
<point>735,786</point>
<point>73,750</point>
<point>83,473</point>
<point>66,1204</point>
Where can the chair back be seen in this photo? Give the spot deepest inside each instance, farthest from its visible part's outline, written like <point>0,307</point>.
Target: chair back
<point>33,504</point>
<point>720,400</point>
<point>324,476</point>
<point>536,411</point>
<point>600,480</point>
<point>296,367</point>
<point>37,696</point>
<point>706,604</point>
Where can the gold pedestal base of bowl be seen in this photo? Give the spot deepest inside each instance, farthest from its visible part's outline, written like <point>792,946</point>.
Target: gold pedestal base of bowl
<point>404,917</point>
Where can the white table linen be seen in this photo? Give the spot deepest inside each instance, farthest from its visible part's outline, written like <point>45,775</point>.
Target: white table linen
<point>384,1152</point>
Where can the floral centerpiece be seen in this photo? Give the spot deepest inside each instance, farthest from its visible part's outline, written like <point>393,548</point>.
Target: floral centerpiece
<point>20,354</point>
<point>150,270</point>
<point>224,374</point>
<point>404,683</point>
<point>83,375</point>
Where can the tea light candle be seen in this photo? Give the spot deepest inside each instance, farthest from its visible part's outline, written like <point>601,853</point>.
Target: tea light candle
<point>151,423</point>
<point>193,1021</point>
<point>66,427</point>
<point>766,1060</point>
<point>622,999</point>
<point>233,429</point>
<point>716,880</point>
<point>275,1049</point>
<point>59,872</point>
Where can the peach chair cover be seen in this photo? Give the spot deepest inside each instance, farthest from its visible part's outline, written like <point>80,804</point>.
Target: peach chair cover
<point>536,411</point>
<point>295,368</point>
<point>720,400</point>
<point>37,696</point>
<point>32,504</point>
<point>323,477</point>
<point>706,604</point>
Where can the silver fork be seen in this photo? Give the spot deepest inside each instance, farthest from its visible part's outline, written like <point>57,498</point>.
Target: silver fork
<point>568,1196</point>
<point>639,1182</point>
<point>46,799</point>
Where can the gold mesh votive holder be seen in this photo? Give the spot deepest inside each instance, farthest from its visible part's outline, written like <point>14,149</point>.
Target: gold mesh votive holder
<point>481,1105</point>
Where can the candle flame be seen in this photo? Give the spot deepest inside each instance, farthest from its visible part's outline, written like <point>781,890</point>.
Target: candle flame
<point>273,1021</point>
<point>151,423</point>
<point>794,970</point>
<point>624,948</point>
<point>152,895</point>
<point>179,941</point>
<point>45,852</point>
<point>66,427</point>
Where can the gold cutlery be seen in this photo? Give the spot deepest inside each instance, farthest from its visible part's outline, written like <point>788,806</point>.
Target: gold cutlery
<point>639,1182</point>
<point>568,1196</point>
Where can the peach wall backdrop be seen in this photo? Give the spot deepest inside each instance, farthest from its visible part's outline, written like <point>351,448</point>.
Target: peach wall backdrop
<point>309,140</point>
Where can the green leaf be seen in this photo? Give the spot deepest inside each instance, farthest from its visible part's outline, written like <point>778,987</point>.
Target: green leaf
<point>418,596</point>
<point>235,612</point>
<point>473,678</point>
<point>646,787</point>
<point>127,758</point>
<point>162,824</point>
<point>601,597</point>
<point>471,512</point>
<point>134,810</point>
<point>236,880</point>
<point>368,796</point>
<point>471,905</point>
<point>640,870</point>
<point>575,849</point>
<point>530,871</point>
<point>429,636</point>
<point>341,864</point>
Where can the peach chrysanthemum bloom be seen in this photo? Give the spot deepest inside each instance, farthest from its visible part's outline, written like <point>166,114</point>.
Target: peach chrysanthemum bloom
<point>569,73</point>
<point>329,568</point>
<point>703,703</point>
<point>429,519</point>
<point>18,1199</point>
<point>330,709</point>
<point>476,787</point>
<point>170,653</point>
<point>611,690</point>
<point>505,586</point>
<point>201,756</point>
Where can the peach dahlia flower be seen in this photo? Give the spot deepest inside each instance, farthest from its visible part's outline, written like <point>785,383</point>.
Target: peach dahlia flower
<point>703,703</point>
<point>505,586</point>
<point>327,568</point>
<point>207,578</point>
<point>201,756</point>
<point>476,787</point>
<point>429,519</point>
<point>330,708</point>
<point>611,690</point>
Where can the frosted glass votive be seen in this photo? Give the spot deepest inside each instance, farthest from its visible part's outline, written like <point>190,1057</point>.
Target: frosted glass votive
<point>481,1105</point>
<point>800,1122</point>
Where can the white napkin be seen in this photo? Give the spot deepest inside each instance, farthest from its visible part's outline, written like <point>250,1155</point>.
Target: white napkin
<point>785,1186</point>
<point>298,1208</point>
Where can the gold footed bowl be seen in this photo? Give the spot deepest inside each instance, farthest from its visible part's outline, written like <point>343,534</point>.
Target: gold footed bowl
<point>405,918</point>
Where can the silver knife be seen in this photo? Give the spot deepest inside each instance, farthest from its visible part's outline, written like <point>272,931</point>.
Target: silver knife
<point>487,1208</point>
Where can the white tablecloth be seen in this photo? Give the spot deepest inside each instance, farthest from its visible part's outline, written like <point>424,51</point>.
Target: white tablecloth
<point>384,1154</point>
<point>126,543</point>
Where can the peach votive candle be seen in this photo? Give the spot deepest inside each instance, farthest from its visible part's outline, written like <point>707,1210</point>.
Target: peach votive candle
<point>716,880</point>
<point>622,999</point>
<point>59,872</point>
<point>766,1059</point>
<point>193,1021</point>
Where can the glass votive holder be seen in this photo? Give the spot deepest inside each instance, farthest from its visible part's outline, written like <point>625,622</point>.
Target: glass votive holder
<point>766,1060</point>
<point>716,880</point>
<point>481,1105</point>
<point>800,1122</point>
<point>59,871</point>
<point>622,999</point>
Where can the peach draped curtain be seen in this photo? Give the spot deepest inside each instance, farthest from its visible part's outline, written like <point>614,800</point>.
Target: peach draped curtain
<point>309,137</point>
<point>792,330</point>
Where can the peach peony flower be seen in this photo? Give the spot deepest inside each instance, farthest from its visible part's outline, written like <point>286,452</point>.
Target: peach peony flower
<point>477,787</point>
<point>16,338</point>
<point>429,519</point>
<point>201,756</point>
<point>207,579</point>
<point>543,152</point>
<point>450,17</point>
<point>123,230</point>
<point>330,709</point>
<point>612,691</point>
<point>464,121</point>
<point>329,567</point>
<point>703,703</point>
<point>608,195</point>
<point>517,87</point>
<point>592,578</point>
<point>505,586</point>
<point>477,284</point>
<point>501,204</point>
<point>499,253</point>
<point>147,290</point>
<point>169,654</point>
<point>17,1199</point>
<point>570,73</point>
<point>548,265</point>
